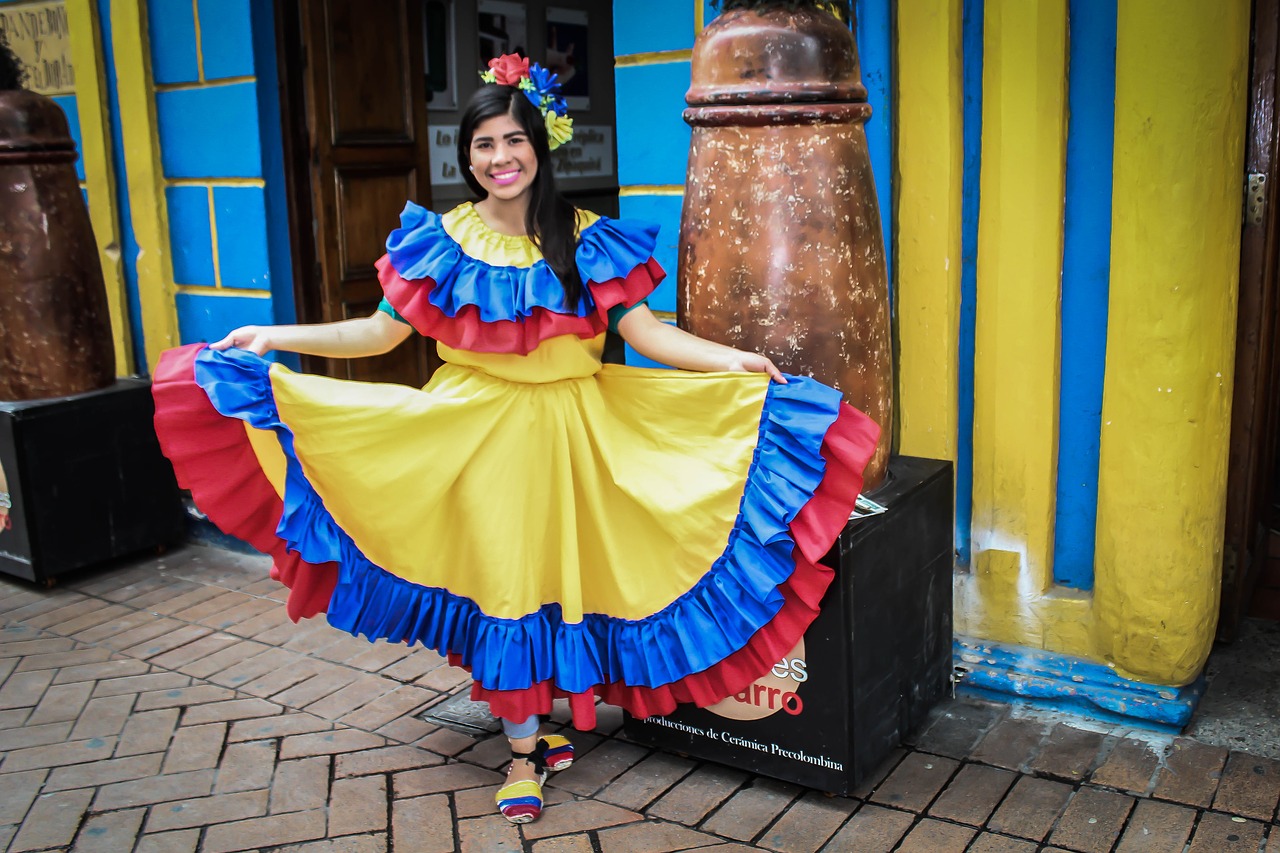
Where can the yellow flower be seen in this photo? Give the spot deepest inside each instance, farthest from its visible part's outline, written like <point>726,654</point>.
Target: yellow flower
<point>559,129</point>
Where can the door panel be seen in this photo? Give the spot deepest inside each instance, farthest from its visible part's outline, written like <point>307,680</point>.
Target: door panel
<point>367,131</point>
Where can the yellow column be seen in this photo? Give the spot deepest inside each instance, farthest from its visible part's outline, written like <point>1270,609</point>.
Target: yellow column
<point>1017,324</point>
<point>99,173</point>
<point>1181,80</point>
<point>930,113</point>
<point>145,176</point>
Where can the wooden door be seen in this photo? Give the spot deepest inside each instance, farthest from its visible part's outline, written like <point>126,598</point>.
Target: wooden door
<point>1255,420</point>
<point>366,133</point>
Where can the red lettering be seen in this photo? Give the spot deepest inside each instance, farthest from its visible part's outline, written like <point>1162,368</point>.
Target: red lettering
<point>773,691</point>
<point>792,704</point>
<point>759,689</point>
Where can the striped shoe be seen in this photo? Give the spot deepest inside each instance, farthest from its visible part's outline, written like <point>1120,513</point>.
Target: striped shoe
<point>557,751</point>
<point>520,802</point>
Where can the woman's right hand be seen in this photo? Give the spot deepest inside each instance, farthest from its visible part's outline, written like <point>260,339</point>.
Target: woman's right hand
<point>255,339</point>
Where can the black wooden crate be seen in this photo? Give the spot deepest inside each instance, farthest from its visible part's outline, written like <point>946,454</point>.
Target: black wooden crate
<point>873,663</point>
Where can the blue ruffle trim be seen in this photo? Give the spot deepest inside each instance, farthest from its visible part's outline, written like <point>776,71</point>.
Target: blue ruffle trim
<point>421,248</point>
<point>717,617</point>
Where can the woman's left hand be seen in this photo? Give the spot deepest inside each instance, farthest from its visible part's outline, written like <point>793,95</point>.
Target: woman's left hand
<point>751,362</point>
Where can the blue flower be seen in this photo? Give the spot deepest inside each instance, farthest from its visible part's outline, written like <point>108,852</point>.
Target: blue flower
<point>544,82</point>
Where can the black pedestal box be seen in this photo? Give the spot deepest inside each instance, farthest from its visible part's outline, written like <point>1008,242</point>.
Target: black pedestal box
<point>87,479</point>
<point>868,670</point>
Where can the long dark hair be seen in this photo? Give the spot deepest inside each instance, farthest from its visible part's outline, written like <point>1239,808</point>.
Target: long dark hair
<point>550,221</point>
<point>12,74</point>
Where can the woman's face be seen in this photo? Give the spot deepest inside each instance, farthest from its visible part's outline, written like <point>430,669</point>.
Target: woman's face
<point>503,159</point>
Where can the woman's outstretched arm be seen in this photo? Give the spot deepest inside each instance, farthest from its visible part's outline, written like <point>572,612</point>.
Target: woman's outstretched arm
<point>664,343</point>
<point>363,336</point>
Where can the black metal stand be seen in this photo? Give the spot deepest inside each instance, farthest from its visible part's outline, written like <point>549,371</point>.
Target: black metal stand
<point>875,661</point>
<point>87,479</point>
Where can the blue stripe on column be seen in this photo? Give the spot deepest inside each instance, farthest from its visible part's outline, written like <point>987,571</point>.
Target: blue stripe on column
<point>874,21</point>
<point>972,46</point>
<point>1086,273</point>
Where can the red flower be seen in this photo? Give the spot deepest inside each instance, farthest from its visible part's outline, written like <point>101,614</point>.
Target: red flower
<point>509,68</point>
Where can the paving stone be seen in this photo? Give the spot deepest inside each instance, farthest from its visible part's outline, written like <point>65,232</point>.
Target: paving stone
<point>279,725</point>
<point>24,689</point>
<point>358,805</point>
<point>29,736</point>
<point>751,809</point>
<point>195,748</point>
<point>246,766</point>
<point>973,794</point>
<point>52,821</point>
<point>57,660</point>
<point>11,648</point>
<point>379,656</point>
<point>264,832</point>
<point>226,657</point>
<point>61,703</point>
<point>102,634</point>
<point>300,785</point>
<point>1157,827</point>
<point>273,683</point>
<point>698,794</point>
<point>934,836</point>
<point>915,781</point>
<point>140,683</point>
<point>650,835</point>
<point>70,613</point>
<point>1011,744</point>
<point>58,755</point>
<point>210,643</point>
<point>206,811</point>
<point>1093,821</point>
<point>989,842</point>
<point>1250,787</point>
<point>229,710</point>
<point>424,825</point>
<point>449,777</point>
<point>147,731</point>
<point>646,781</point>
<point>398,703</point>
<point>229,617</point>
<point>109,833</point>
<point>598,768</point>
<point>168,641</point>
<point>374,843</point>
<point>1219,833</point>
<point>1068,753</point>
<point>491,834</point>
<point>807,825</point>
<point>492,751</point>
<point>104,772</point>
<point>958,727</point>
<point>872,829</point>
<point>1130,767</point>
<point>388,759</point>
<point>17,792</point>
<point>1191,773</point>
<point>577,816</point>
<point>181,697</point>
<point>144,633</point>
<point>447,742</point>
<point>414,666</point>
<point>103,717</point>
<point>328,743</point>
<point>444,679</point>
<point>328,679</point>
<point>194,595</point>
<point>568,844</point>
<point>1031,808</point>
<point>154,789</point>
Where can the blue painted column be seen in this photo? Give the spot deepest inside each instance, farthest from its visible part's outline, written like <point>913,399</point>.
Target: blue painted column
<point>874,24</point>
<point>1086,274</point>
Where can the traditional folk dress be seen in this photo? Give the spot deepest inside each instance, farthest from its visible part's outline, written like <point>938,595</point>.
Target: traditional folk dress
<point>559,527</point>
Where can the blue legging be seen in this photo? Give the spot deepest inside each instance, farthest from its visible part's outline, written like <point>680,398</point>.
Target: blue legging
<point>515,731</point>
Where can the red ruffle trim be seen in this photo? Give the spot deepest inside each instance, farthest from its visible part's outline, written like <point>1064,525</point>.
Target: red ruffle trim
<point>212,457</point>
<point>466,331</point>
<point>847,447</point>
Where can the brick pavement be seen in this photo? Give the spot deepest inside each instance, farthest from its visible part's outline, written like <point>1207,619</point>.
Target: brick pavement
<point>168,705</point>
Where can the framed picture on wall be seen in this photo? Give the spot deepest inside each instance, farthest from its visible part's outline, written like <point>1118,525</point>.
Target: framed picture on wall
<point>439,39</point>
<point>502,28</point>
<point>567,40</point>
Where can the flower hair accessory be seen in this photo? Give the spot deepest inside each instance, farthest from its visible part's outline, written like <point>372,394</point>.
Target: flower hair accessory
<point>540,87</point>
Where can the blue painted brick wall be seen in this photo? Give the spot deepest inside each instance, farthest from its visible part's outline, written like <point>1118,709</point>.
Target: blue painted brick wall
<point>654,25</point>
<point>210,133</point>
<point>226,38</point>
<point>241,216</point>
<point>171,27</point>
<point>653,140</point>
<point>190,239</point>
<point>209,318</point>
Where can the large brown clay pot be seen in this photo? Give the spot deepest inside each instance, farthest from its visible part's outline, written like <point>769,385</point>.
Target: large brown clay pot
<point>55,329</point>
<point>780,242</point>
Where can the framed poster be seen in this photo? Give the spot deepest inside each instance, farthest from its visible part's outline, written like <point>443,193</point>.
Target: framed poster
<point>567,41</point>
<point>502,27</point>
<point>38,34</point>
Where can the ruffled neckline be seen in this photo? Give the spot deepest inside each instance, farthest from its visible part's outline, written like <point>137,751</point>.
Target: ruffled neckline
<point>479,240</point>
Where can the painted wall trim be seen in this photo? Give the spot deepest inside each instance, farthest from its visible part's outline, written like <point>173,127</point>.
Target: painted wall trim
<point>656,57</point>
<point>100,177</point>
<point>130,48</point>
<point>1060,682</point>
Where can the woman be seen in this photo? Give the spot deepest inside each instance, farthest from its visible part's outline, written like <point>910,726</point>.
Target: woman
<point>558,527</point>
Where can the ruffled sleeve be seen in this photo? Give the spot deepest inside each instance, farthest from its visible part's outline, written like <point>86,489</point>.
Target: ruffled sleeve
<point>477,290</point>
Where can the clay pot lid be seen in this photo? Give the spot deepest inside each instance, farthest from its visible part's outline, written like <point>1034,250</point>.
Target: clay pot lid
<point>32,122</point>
<point>776,56</point>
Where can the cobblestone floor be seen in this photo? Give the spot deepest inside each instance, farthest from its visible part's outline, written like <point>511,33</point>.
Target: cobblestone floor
<point>169,705</point>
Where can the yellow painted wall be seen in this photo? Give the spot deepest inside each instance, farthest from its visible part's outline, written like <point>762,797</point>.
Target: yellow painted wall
<point>1180,119</point>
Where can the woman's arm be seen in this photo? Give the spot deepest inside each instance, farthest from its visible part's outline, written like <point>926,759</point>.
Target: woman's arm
<point>363,336</point>
<point>659,341</point>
